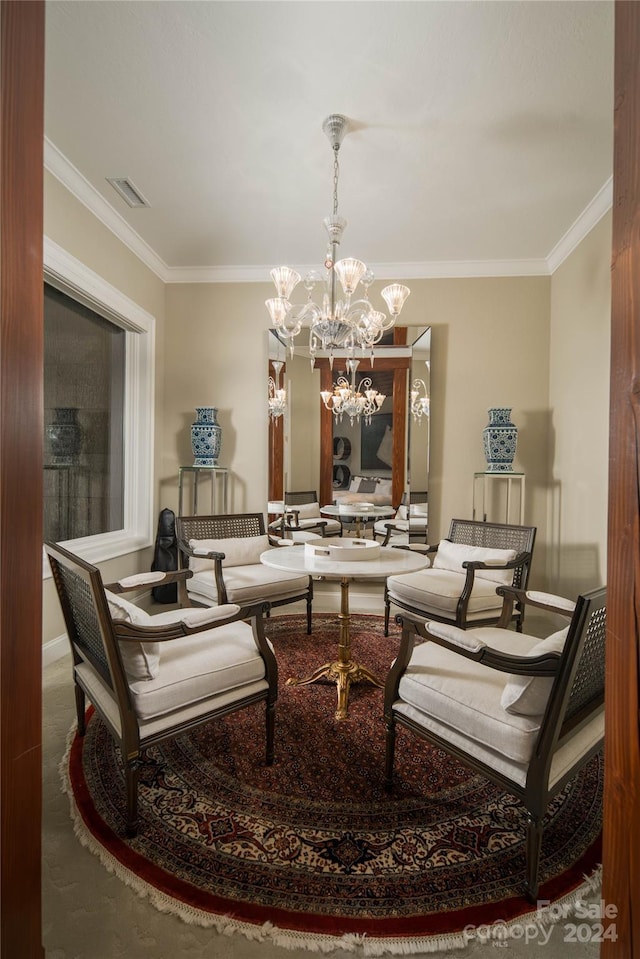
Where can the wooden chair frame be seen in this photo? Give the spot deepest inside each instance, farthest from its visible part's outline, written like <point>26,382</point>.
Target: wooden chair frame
<point>576,696</point>
<point>490,535</point>
<point>94,638</point>
<point>227,526</point>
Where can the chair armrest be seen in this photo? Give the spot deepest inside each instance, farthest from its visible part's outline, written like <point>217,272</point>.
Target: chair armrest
<point>465,644</point>
<point>547,601</point>
<point>187,622</point>
<point>140,581</point>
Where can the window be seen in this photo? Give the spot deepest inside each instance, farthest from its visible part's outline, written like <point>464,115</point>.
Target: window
<point>84,367</point>
<point>98,398</point>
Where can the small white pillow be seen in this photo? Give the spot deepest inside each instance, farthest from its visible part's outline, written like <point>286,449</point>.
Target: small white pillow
<point>528,695</point>
<point>141,661</point>
<point>401,512</point>
<point>419,509</point>
<point>307,510</point>
<point>451,556</point>
<point>238,551</point>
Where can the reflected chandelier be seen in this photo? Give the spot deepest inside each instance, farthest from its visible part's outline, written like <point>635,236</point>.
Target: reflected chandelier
<point>419,404</point>
<point>339,322</point>
<point>277,394</point>
<point>345,398</point>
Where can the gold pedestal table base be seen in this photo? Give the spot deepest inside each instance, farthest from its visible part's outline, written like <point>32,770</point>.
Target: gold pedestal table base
<point>343,671</point>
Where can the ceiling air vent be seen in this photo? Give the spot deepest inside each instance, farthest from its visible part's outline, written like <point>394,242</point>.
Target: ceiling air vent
<point>129,193</point>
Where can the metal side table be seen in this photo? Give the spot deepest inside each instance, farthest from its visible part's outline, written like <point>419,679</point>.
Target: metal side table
<point>218,476</point>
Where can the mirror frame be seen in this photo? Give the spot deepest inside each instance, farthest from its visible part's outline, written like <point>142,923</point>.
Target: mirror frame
<point>401,365</point>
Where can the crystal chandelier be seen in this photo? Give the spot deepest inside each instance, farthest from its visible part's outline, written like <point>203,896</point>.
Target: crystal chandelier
<point>345,398</point>
<point>419,403</point>
<point>338,321</point>
<point>277,394</point>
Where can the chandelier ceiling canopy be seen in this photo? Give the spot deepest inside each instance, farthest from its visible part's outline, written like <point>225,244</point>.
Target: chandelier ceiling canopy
<point>337,321</point>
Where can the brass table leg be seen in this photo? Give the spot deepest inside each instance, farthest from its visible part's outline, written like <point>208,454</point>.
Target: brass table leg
<point>342,671</point>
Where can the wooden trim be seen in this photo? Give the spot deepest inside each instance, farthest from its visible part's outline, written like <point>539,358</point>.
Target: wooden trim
<point>326,437</point>
<point>399,455</point>
<point>621,853</point>
<point>276,450</point>
<point>21,429</point>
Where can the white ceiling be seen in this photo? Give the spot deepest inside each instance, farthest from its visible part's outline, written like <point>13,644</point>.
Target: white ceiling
<point>482,130</point>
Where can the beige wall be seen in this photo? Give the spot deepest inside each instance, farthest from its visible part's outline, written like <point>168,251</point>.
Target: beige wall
<point>490,347</point>
<point>579,399</point>
<point>537,344</point>
<point>73,227</point>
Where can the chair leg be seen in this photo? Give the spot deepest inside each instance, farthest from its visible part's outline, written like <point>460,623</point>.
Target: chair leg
<point>80,709</point>
<point>387,608</point>
<point>390,751</point>
<point>309,603</point>
<point>271,726</point>
<point>534,844</point>
<point>131,772</point>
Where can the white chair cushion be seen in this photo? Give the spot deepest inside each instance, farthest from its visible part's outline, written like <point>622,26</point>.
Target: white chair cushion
<point>451,556</point>
<point>528,695</point>
<point>248,584</point>
<point>238,551</point>
<point>307,510</point>
<point>419,509</point>
<point>199,667</point>
<point>140,660</point>
<point>332,525</point>
<point>438,591</point>
<point>463,695</point>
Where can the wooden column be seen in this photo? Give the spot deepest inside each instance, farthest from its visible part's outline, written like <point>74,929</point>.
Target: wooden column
<point>621,857</point>
<point>21,298</point>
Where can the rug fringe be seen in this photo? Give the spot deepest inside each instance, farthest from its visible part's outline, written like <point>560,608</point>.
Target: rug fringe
<point>368,946</point>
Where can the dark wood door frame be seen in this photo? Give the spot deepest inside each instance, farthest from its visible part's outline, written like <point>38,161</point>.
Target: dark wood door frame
<point>21,131</point>
<point>21,426</point>
<point>621,831</point>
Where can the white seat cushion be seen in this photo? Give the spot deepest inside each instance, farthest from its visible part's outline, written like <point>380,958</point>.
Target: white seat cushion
<point>463,695</point>
<point>438,591</point>
<point>248,584</point>
<point>198,667</point>
<point>331,525</point>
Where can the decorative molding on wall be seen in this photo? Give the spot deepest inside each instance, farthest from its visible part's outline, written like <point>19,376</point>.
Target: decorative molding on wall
<point>54,650</point>
<point>77,184</point>
<point>591,215</point>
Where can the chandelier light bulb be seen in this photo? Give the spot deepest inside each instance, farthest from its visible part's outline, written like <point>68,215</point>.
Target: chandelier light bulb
<point>394,297</point>
<point>337,323</point>
<point>285,280</point>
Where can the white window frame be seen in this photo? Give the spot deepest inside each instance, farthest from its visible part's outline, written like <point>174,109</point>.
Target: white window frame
<point>69,275</point>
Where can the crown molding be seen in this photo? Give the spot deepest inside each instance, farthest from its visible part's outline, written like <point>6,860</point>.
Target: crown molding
<point>437,269</point>
<point>592,214</point>
<point>64,171</point>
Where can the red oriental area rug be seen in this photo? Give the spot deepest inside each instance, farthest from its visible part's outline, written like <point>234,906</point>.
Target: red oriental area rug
<point>312,852</point>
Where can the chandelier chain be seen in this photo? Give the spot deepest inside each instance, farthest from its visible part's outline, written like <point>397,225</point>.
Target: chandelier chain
<point>336,174</point>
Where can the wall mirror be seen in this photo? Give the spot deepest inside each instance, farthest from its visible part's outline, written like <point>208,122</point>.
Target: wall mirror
<point>381,458</point>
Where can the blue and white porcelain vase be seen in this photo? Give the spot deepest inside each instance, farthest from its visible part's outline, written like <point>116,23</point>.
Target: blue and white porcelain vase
<point>500,438</point>
<point>64,436</point>
<point>206,437</point>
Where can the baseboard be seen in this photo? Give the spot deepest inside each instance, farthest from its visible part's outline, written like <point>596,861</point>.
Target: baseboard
<point>54,650</point>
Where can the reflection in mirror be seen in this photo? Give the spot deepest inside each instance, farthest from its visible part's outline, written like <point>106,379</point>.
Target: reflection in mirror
<point>312,448</point>
<point>419,436</point>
